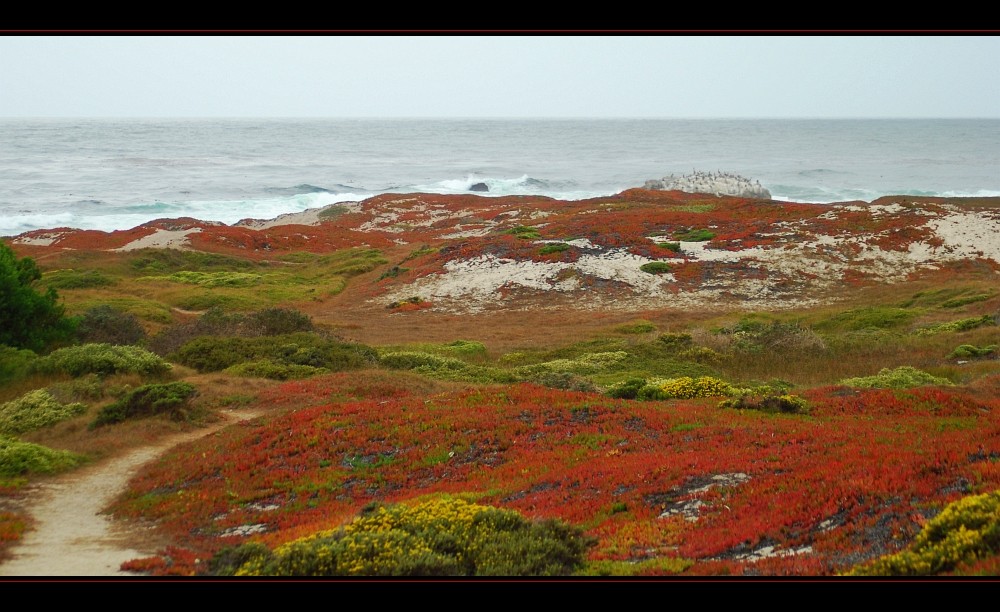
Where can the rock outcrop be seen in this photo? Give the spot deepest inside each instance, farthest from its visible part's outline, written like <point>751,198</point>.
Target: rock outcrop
<point>715,183</point>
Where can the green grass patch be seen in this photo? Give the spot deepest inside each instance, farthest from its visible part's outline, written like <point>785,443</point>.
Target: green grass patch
<point>556,247</point>
<point>639,326</point>
<point>77,279</point>
<point>874,317</point>
<point>695,235</point>
<point>524,232</point>
<point>670,246</point>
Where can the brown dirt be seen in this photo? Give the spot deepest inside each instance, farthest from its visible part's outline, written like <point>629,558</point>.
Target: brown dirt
<point>71,535</point>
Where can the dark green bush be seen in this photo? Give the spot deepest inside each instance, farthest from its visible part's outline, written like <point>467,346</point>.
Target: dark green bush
<point>108,325</point>
<point>277,321</point>
<point>171,399</point>
<point>788,404</point>
<point>15,363</point>
<point>676,342</point>
<point>216,322</point>
<point>211,353</point>
<point>655,267</point>
<point>29,319</point>
<point>628,389</point>
<point>670,246</point>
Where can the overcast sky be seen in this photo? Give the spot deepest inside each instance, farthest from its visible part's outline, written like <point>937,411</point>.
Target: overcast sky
<point>500,76</point>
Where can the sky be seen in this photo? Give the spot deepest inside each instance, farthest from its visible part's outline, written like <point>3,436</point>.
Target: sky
<point>555,76</point>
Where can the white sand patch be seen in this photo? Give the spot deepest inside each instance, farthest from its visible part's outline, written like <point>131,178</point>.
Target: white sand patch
<point>479,281</point>
<point>468,233</point>
<point>38,239</point>
<point>968,235</point>
<point>162,239</point>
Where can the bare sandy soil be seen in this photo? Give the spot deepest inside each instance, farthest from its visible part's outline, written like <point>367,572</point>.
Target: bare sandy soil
<point>71,536</point>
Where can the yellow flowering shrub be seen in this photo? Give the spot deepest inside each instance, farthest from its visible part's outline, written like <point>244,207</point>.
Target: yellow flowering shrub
<point>965,531</point>
<point>441,537</point>
<point>685,387</point>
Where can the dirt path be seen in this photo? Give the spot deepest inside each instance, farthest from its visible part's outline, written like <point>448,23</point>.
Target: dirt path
<point>71,536</point>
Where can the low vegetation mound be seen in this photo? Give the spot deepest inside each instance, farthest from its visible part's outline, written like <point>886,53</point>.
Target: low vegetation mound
<point>172,399</point>
<point>19,458</point>
<point>101,359</point>
<point>903,377</point>
<point>35,410</point>
<point>440,537</point>
<point>965,532</point>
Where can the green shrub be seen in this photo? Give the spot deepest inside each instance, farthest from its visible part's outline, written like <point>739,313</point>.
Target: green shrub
<point>626,389</point>
<point>566,381</point>
<point>392,272</point>
<point>331,212</point>
<point>752,336</point>
<point>34,410</point>
<point>441,537</point>
<point>106,324</point>
<point>964,301</point>
<point>212,354</point>
<point>524,232</point>
<point>655,267</point>
<point>957,326</point>
<point>676,342</point>
<point>410,360</point>
<point>101,359</point>
<point>965,531</point>
<point>788,404</point>
<point>969,351</point>
<point>276,322</point>
<point>902,377</point>
<point>19,458</point>
<point>670,246</point>
<point>29,319</point>
<point>277,371</point>
<point>171,399</point>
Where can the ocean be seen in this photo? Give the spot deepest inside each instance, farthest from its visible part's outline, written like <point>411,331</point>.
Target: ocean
<point>113,174</point>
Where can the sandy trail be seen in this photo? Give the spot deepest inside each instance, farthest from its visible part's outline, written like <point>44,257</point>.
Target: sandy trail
<point>71,536</point>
